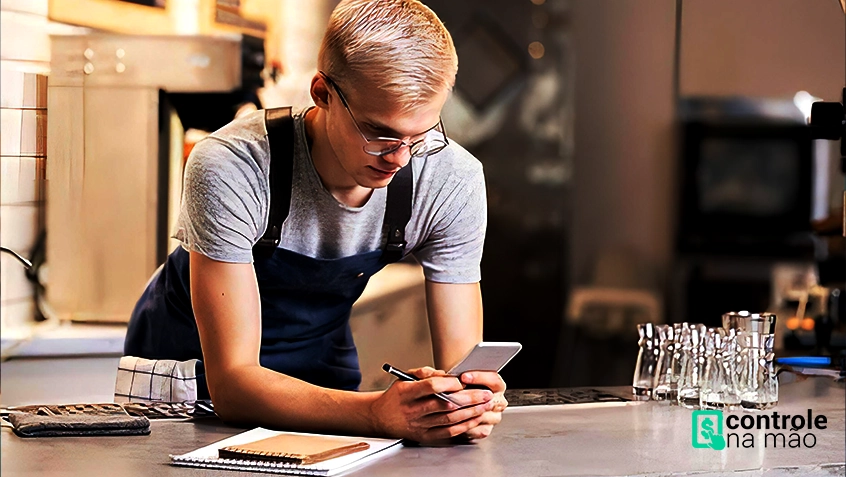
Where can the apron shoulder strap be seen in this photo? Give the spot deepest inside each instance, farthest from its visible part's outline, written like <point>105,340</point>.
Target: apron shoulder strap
<point>398,213</point>
<point>280,135</point>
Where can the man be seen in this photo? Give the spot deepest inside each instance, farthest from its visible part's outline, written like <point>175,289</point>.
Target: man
<point>273,331</point>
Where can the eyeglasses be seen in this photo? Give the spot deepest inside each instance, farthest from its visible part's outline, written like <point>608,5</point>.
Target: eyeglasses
<point>428,145</point>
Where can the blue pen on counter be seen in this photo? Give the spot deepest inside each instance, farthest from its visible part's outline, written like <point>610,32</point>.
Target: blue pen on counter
<point>399,374</point>
<point>809,361</point>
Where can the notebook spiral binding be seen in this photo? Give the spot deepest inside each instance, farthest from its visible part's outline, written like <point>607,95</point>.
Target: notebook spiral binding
<point>239,464</point>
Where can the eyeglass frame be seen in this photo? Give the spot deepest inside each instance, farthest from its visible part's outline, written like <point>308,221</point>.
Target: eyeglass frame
<point>401,142</point>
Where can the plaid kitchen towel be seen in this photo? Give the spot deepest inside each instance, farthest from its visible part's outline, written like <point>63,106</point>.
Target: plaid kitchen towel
<point>151,380</point>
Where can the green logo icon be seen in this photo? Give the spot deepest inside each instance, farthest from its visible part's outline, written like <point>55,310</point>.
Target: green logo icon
<point>707,429</point>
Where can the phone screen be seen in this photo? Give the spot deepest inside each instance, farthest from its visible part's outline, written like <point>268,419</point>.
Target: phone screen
<point>487,356</point>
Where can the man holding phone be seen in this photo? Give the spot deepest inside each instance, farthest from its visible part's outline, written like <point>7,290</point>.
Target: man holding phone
<point>373,178</point>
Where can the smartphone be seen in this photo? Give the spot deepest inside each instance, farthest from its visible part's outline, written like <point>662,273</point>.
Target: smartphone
<point>486,356</point>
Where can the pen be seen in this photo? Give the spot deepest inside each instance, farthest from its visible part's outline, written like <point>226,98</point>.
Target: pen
<point>810,361</point>
<point>407,377</point>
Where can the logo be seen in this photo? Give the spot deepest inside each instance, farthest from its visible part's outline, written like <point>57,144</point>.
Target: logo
<point>708,430</point>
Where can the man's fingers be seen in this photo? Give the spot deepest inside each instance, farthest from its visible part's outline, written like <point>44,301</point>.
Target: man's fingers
<point>488,379</point>
<point>453,417</point>
<point>492,417</point>
<point>432,404</point>
<point>437,433</point>
<point>425,372</point>
<point>470,397</point>
<point>500,403</point>
<point>422,373</point>
<point>432,385</point>
<point>479,432</point>
<point>486,424</point>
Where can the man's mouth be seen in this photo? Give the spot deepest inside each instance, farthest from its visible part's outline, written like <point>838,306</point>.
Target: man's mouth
<point>383,172</point>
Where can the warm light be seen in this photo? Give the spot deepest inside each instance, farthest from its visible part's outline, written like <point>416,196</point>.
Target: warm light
<point>804,100</point>
<point>808,324</point>
<point>792,323</point>
<point>538,2</point>
<point>536,50</point>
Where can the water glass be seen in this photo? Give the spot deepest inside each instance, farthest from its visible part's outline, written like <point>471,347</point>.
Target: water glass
<point>712,368</point>
<point>647,360</point>
<point>758,384</point>
<point>692,365</point>
<point>719,388</point>
<point>665,386</point>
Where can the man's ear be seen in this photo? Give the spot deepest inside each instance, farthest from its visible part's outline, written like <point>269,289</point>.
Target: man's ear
<point>319,91</point>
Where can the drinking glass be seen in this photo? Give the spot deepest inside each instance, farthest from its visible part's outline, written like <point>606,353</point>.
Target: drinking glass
<point>647,360</point>
<point>665,386</point>
<point>758,382</point>
<point>692,365</point>
<point>719,388</point>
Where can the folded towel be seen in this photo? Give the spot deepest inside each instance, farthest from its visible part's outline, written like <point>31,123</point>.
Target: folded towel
<point>35,425</point>
<point>158,380</point>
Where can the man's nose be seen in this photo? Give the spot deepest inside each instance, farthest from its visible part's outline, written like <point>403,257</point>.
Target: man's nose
<point>398,158</point>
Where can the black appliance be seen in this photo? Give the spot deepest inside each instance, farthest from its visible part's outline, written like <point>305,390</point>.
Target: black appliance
<point>746,188</point>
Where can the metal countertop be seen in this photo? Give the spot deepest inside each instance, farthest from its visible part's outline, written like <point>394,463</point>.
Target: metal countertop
<point>576,439</point>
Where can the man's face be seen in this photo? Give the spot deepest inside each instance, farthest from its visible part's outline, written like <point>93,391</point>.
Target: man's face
<point>376,116</point>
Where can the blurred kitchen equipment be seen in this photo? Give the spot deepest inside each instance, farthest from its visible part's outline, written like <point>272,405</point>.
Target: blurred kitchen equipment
<point>578,395</point>
<point>26,263</point>
<point>828,121</point>
<point>815,322</point>
<point>747,178</point>
<point>595,339</point>
<point>220,18</point>
<point>116,141</point>
<point>607,311</point>
<point>115,151</point>
<point>731,232</point>
<point>750,184</point>
<point>34,272</point>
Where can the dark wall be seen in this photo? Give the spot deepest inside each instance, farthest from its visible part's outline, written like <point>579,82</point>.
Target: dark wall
<point>523,108</point>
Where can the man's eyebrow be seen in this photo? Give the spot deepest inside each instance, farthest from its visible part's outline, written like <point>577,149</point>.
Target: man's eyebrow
<point>389,132</point>
<point>375,126</point>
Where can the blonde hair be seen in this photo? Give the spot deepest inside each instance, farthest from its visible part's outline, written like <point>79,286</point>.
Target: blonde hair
<point>399,45</point>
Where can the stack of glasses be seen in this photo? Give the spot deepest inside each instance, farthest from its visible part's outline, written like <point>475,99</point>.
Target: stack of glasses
<point>710,368</point>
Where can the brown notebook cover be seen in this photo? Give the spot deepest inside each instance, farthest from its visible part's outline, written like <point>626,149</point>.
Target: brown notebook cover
<point>300,450</point>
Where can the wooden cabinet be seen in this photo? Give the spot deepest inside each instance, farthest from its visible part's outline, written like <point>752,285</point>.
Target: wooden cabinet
<point>107,185</point>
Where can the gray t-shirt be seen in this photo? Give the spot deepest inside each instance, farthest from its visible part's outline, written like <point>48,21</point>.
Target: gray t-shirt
<point>226,196</point>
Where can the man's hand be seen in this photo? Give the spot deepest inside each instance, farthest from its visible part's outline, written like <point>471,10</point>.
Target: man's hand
<point>410,411</point>
<point>491,417</point>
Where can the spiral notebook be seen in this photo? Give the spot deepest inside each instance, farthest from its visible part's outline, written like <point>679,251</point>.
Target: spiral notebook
<point>210,456</point>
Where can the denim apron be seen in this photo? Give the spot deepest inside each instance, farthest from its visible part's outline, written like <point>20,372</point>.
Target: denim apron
<point>305,301</point>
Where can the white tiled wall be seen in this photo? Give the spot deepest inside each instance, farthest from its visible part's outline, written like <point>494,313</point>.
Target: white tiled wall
<point>23,102</point>
<point>22,152</point>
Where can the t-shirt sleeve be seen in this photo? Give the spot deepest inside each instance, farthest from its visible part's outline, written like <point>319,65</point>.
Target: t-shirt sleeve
<point>452,253</point>
<point>221,211</point>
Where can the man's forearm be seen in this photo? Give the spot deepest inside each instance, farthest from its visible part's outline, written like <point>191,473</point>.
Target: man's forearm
<point>260,396</point>
<point>455,320</point>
